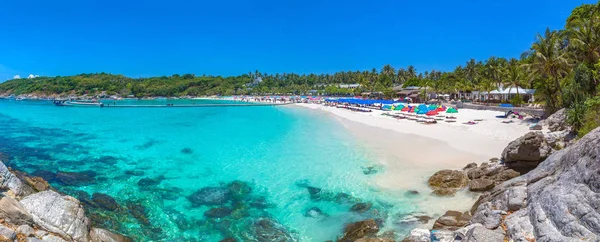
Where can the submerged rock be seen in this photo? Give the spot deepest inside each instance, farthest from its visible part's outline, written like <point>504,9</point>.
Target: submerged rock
<point>134,172</point>
<point>105,201</point>
<point>59,214</point>
<point>147,182</point>
<point>314,212</point>
<point>315,193</point>
<point>361,207</point>
<point>187,151</point>
<point>218,212</point>
<point>138,211</point>
<point>239,190</point>
<point>210,196</point>
<point>109,160</point>
<point>75,178</point>
<point>370,170</point>
<point>266,229</point>
<point>358,230</point>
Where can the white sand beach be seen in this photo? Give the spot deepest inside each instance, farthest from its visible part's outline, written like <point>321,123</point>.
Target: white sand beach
<point>411,152</point>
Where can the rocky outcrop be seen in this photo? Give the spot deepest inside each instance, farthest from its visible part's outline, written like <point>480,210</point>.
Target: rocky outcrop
<point>557,201</point>
<point>45,215</point>
<point>58,214</point>
<point>526,152</point>
<point>9,181</point>
<point>557,121</point>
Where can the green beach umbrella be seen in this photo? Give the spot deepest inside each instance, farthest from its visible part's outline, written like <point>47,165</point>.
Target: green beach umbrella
<point>451,110</point>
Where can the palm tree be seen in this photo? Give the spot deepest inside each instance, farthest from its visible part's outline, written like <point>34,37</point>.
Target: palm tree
<point>584,38</point>
<point>514,75</point>
<point>550,64</point>
<point>412,72</point>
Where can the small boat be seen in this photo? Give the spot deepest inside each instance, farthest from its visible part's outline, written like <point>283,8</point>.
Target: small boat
<point>19,99</point>
<point>78,103</point>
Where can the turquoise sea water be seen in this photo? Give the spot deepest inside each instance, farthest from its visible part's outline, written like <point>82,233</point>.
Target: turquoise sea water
<point>259,164</point>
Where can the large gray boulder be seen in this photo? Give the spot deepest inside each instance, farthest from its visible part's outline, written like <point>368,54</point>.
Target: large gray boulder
<point>10,181</point>
<point>62,215</point>
<point>526,152</point>
<point>557,201</point>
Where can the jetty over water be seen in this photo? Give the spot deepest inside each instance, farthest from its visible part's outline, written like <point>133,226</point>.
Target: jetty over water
<point>108,105</point>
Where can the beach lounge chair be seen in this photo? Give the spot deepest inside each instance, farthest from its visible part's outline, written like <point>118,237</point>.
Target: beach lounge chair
<point>450,121</point>
<point>470,123</point>
<point>507,121</point>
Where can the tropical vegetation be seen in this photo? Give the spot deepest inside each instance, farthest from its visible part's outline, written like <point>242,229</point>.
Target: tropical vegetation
<point>563,66</point>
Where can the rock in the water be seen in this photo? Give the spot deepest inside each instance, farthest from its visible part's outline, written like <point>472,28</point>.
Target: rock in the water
<point>370,170</point>
<point>13,212</point>
<point>7,234</point>
<point>134,172</point>
<point>315,212</point>
<point>265,229</point>
<point>444,192</point>
<point>358,230</point>
<point>481,185</point>
<point>557,201</point>
<point>105,201</point>
<point>526,152</point>
<point>59,214</point>
<point>138,211</point>
<point>448,179</point>
<point>147,182</point>
<point>218,212</point>
<point>452,220</point>
<point>210,196</point>
<point>239,190</point>
<point>315,193</point>
<point>187,151</point>
<point>75,178</point>
<point>361,207</point>
<point>102,235</point>
<point>12,182</point>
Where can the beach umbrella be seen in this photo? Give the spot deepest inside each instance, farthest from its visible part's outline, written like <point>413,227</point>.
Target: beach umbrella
<point>451,110</point>
<point>399,107</point>
<point>405,109</point>
<point>387,107</point>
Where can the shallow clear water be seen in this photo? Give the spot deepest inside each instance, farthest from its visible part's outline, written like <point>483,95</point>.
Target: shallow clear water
<point>151,160</point>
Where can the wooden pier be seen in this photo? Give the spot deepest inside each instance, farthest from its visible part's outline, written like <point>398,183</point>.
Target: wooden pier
<point>107,105</point>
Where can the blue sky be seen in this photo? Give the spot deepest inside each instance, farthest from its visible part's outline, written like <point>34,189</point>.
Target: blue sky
<point>149,38</point>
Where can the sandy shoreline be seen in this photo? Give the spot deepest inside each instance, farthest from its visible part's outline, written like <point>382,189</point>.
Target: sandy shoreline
<point>411,152</point>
